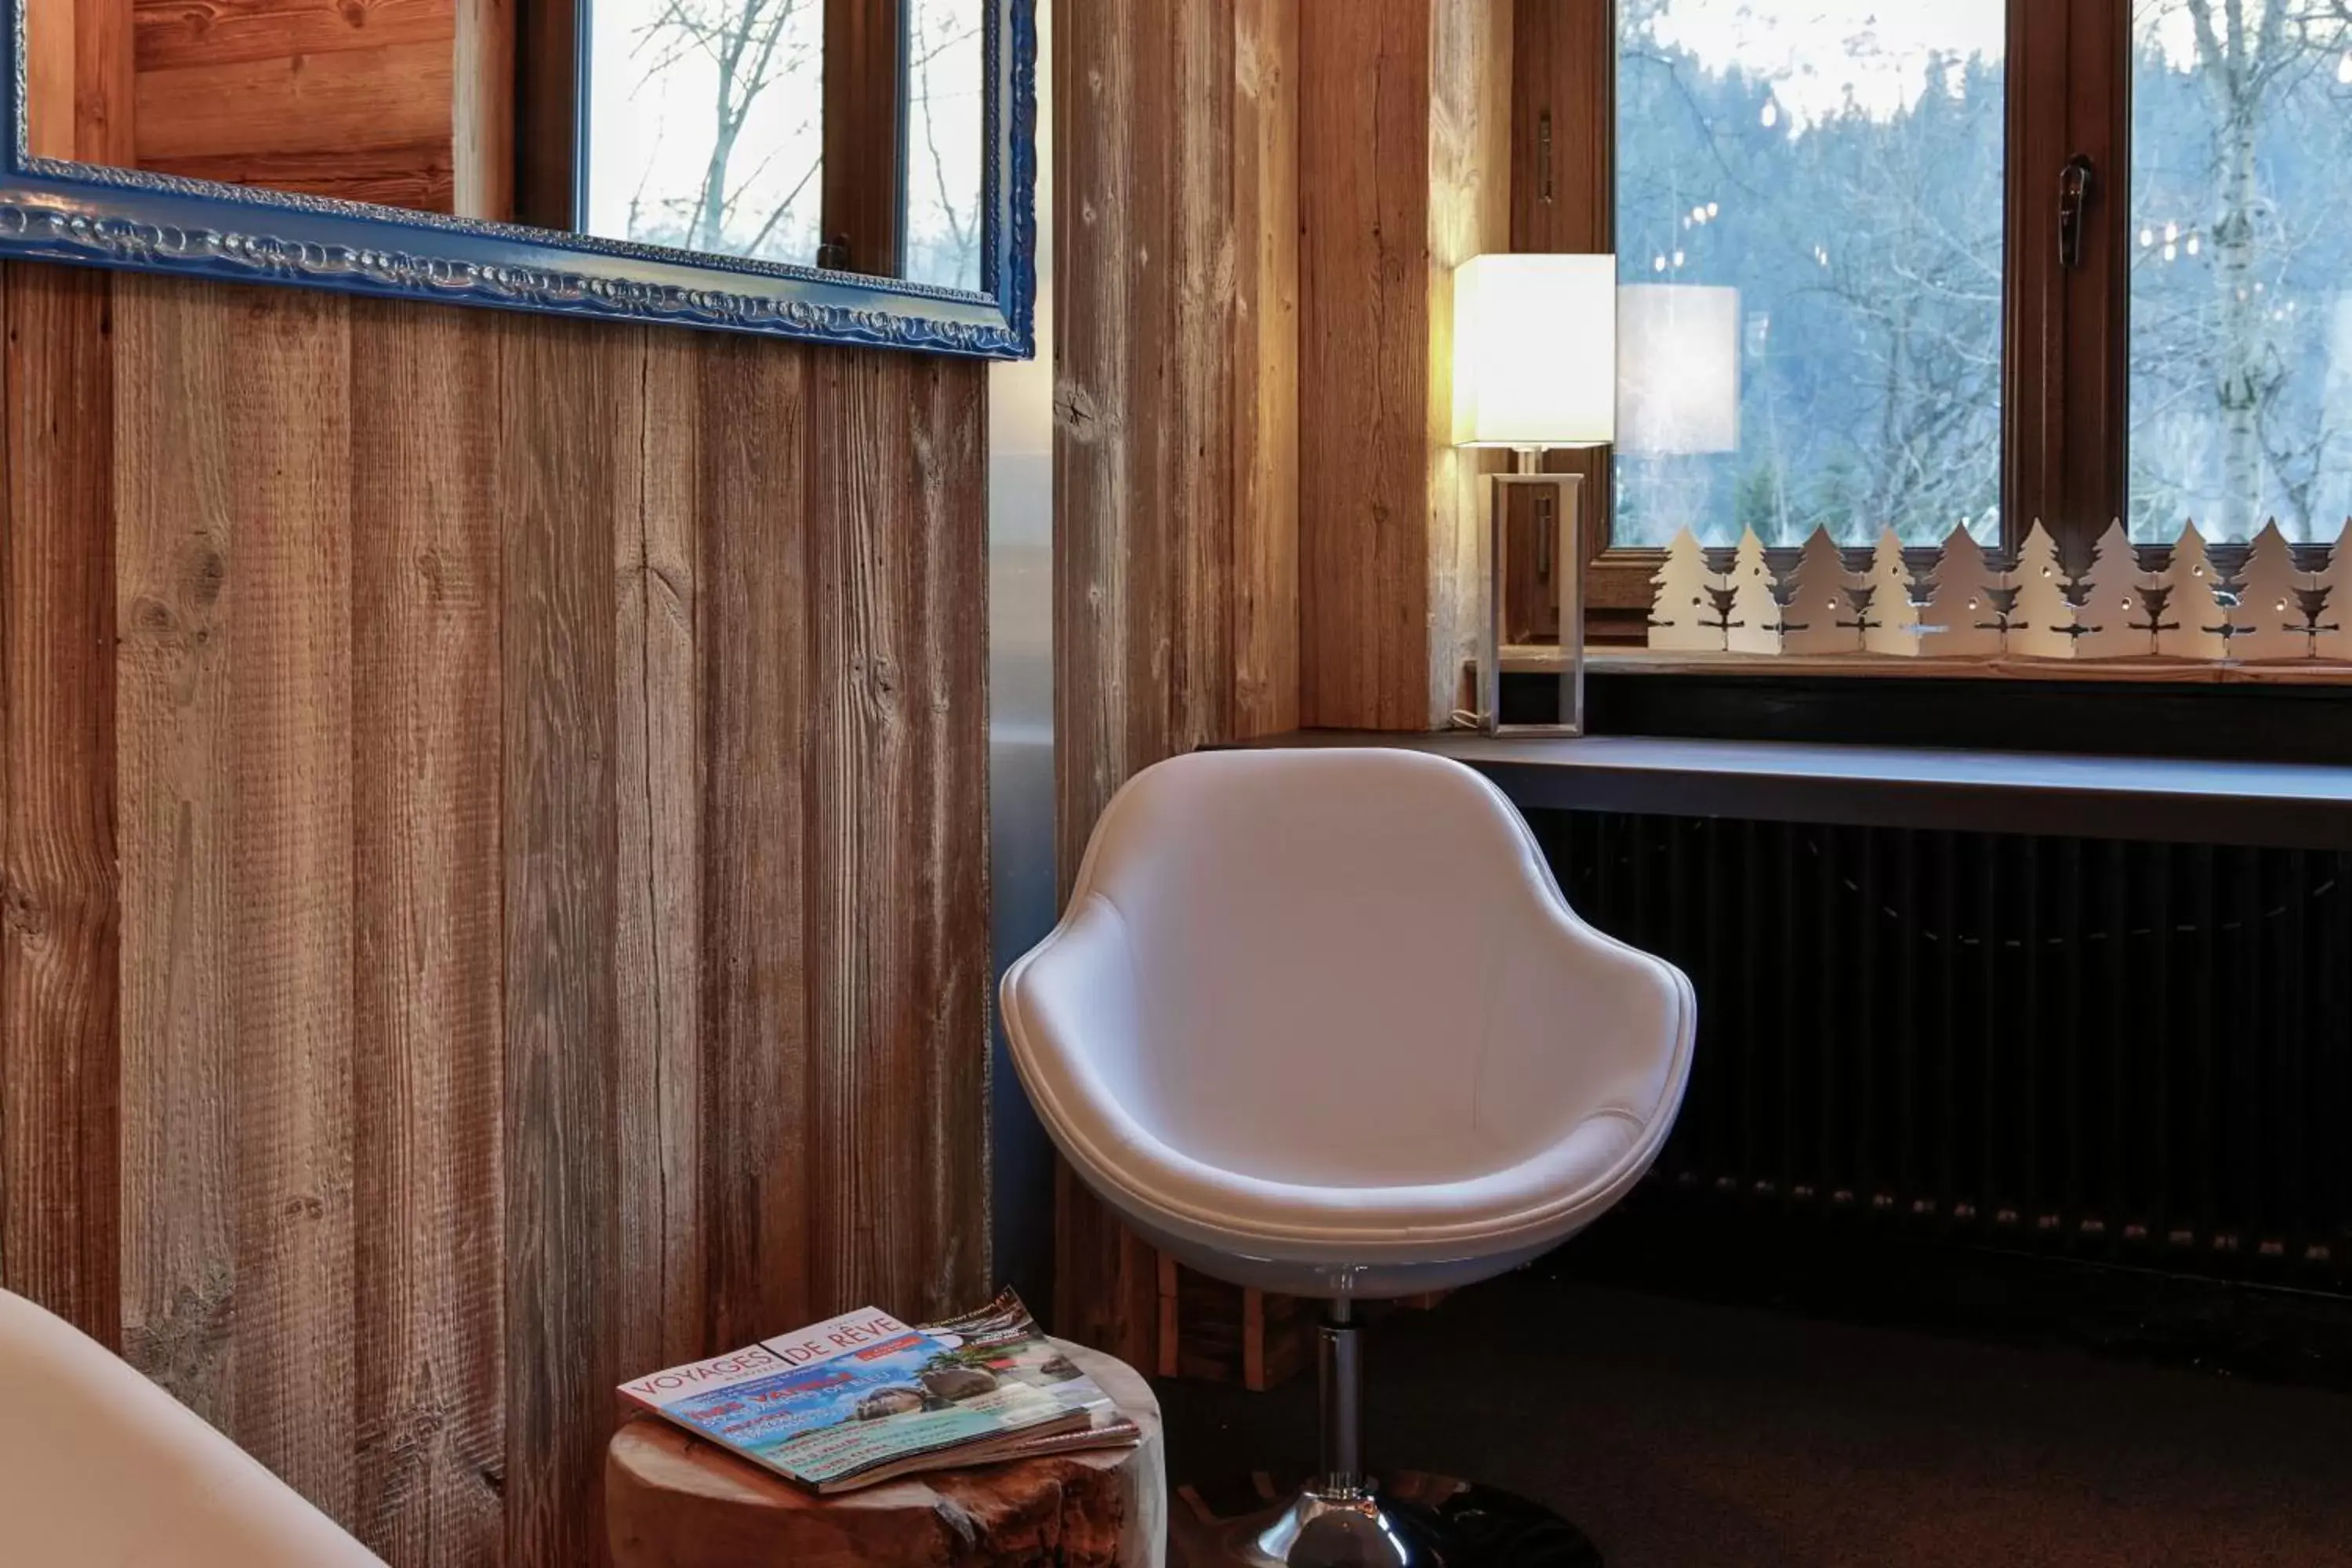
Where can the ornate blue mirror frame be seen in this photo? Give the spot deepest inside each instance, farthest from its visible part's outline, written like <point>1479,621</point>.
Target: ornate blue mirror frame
<point>54,210</point>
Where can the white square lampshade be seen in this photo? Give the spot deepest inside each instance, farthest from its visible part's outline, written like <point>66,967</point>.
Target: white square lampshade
<point>1679,390</point>
<point>1535,351</point>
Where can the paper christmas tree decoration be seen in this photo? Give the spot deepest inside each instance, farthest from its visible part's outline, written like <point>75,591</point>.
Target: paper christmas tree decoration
<point>1891,626</point>
<point>2334,638</point>
<point>2190,625</point>
<point>1960,618</point>
<point>2113,615</point>
<point>2268,621</point>
<point>1755,624</point>
<point>2042,619</point>
<point>1683,614</point>
<point>1820,616</point>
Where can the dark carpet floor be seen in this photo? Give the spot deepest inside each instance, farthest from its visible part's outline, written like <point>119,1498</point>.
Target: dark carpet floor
<point>1682,1436</point>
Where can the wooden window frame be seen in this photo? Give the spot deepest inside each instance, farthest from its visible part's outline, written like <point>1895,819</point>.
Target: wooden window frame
<point>862,199</point>
<point>2065,332</point>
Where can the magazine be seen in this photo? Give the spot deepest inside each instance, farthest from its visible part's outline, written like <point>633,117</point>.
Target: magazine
<point>863,1397</point>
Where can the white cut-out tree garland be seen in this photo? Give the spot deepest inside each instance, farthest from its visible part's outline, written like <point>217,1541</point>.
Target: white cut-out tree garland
<point>2042,618</point>
<point>2268,622</point>
<point>1754,623</point>
<point>1960,618</point>
<point>1891,623</point>
<point>2193,615</point>
<point>2113,613</point>
<point>1682,615</point>
<point>2273,610</point>
<point>1820,615</point>
<point>2333,638</point>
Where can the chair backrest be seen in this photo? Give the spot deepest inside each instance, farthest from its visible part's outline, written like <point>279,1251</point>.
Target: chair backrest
<point>98,1466</point>
<point>1361,949</point>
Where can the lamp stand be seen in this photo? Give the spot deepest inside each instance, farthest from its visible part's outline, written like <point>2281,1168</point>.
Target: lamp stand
<point>1560,564</point>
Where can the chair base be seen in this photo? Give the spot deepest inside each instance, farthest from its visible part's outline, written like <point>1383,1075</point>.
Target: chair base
<point>1409,1520</point>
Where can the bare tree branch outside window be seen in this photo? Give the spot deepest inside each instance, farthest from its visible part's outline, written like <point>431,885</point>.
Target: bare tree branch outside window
<point>706,124</point>
<point>706,129</point>
<point>2242,323</point>
<point>945,67</point>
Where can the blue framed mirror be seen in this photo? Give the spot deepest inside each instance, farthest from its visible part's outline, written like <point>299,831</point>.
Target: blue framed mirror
<point>853,171</point>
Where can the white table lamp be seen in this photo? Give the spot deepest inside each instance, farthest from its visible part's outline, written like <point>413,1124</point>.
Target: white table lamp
<point>1535,366</point>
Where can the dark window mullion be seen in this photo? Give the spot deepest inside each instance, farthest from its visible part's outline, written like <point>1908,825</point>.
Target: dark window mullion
<point>865,136</point>
<point>2067,332</point>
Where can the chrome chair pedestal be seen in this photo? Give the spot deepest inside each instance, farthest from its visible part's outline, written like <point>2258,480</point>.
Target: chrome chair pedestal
<point>1346,1519</point>
<point>1407,1520</point>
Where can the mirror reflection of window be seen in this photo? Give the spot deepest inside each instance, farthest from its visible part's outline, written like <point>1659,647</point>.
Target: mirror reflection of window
<point>946,78</point>
<point>705,125</point>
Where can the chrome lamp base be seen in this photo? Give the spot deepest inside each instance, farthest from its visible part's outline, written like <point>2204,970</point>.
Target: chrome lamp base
<point>1347,1518</point>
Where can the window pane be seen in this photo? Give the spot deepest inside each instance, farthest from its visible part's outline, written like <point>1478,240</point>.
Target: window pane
<point>1809,231</point>
<point>946,65</point>
<point>2242,220</point>
<point>706,124</point>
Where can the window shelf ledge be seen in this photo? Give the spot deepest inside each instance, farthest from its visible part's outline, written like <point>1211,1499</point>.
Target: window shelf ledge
<point>2270,804</point>
<point>1878,667</point>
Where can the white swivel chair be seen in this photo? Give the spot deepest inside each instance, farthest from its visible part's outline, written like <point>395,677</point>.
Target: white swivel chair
<point>101,1468</point>
<point>1321,1022</point>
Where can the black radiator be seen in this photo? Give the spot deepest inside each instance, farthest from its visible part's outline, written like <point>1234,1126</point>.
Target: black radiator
<point>2136,1053</point>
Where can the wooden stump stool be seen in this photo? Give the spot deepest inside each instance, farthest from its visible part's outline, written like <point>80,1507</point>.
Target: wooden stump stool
<point>672,1501</point>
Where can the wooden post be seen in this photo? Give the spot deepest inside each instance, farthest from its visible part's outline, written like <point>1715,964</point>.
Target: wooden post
<point>1403,173</point>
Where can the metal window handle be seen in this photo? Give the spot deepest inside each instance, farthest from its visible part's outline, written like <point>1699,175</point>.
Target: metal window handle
<point>2074,184</point>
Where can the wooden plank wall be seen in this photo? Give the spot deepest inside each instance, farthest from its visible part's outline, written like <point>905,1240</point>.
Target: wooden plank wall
<point>1175,461</point>
<point>1404,160</point>
<point>494,868</point>
<point>407,102</point>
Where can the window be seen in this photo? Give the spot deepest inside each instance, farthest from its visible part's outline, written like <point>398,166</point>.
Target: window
<point>706,126</point>
<point>846,134</point>
<point>1851,301</point>
<point>1820,183</point>
<point>2241,304</point>
<point>946,64</point>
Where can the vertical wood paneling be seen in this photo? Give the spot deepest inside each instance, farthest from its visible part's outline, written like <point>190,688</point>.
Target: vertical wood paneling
<point>1113,691</point>
<point>177,583</point>
<point>1194,456</point>
<point>1469,118</point>
<point>751,640</point>
<point>426,981</point>
<point>509,826</point>
<point>362,101</point>
<point>659,958</point>
<point>289,456</point>
<point>568,461</point>
<point>1265,421</point>
<point>1176,439</point>
<point>897,1033</point>
<point>1403,157</point>
<point>1176,449</point>
<point>1364,365</point>
<point>59,917</point>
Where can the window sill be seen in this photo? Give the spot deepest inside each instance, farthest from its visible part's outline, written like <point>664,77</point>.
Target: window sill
<point>2289,806</point>
<point>1873,666</point>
